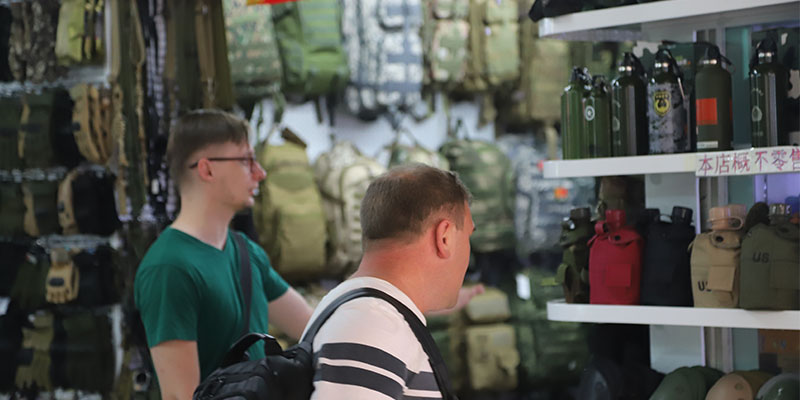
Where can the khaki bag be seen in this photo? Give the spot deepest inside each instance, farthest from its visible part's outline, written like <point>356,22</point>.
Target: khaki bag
<point>343,175</point>
<point>492,357</point>
<point>288,212</point>
<point>715,269</point>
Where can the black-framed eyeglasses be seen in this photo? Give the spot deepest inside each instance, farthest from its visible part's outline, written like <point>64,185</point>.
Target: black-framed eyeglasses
<point>251,161</point>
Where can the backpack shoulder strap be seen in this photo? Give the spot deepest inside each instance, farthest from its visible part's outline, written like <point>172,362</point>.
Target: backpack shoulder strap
<point>246,280</point>
<point>420,331</point>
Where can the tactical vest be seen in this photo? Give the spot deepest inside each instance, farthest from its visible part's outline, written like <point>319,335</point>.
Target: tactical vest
<point>666,270</point>
<point>615,261</point>
<point>715,269</point>
<point>487,173</point>
<point>770,268</point>
<point>288,212</point>
<point>343,175</point>
<point>573,273</point>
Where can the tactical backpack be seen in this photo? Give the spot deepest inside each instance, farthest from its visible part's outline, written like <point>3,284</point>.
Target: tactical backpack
<point>666,271</point>
<point>289,374</point>
<point>615,261</point>
<point>310,43</point>
<point>448,51</point>
<point>91,122</point>
<point>715,269</point>
<point>486,172</point>
<point>86,203</point>
<point>540,203</point>
<point>381,38</point>
<point>253,52</point>
<point>573,272</point>
<point>493,44</point>
<point>343,175</point>
<point>415,153</point>
<point>288,212</point>
<point>770,268</point>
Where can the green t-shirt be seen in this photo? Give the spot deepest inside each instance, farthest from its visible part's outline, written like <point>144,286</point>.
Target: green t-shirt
<point>186,289</point>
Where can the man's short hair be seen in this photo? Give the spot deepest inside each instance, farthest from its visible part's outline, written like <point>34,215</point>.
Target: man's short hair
<point>197,130</point>
<point>400,203</point>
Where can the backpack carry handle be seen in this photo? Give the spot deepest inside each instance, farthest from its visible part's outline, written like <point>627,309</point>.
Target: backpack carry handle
<point>238,352</point>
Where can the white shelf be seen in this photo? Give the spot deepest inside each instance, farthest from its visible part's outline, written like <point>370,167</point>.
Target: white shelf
<point>753,161</point>
<point>558,310</point>
<point>657,20</point>
<point>610,166</point>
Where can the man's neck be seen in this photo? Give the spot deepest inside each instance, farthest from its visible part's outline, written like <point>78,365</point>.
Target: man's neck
<point>399,272</point>
<point>206,223</point>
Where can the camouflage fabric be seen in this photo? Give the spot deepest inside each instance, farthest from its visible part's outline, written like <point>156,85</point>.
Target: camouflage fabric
<point>42,21</point>
<point>384,51</point>
<point>252,50</point>
<point>289,214</point>
<point>487,173</point>
<point>449,42</point>
<point>343,175</point>
<point>310,41</point>
<point>667,115</point>
<point>402,154</point>
<point>540,204</point>
<point>493,43</point>
<point>770,272</point>
<point>10,113</point>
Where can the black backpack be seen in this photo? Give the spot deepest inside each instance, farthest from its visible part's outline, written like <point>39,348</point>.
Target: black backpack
<point>288,374</point>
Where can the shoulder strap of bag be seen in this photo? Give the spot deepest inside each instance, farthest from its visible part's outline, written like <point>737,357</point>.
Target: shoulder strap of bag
<point>420,331</point>
<point>245,278</point>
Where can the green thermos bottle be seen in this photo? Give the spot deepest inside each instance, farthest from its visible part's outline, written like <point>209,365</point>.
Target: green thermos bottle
<point>597,118</point>
<point>713,104</point>
<point>769,86</point>
<point>666,107</point>
<point>629,109</point>
<point>572,114</point>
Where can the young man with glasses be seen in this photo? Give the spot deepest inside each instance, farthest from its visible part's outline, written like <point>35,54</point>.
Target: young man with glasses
<point>187,287</point>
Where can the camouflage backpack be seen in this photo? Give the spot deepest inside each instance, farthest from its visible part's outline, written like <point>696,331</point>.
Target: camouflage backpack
<point>384,54</point>
<point>343,175</point>
<point>540,203</point>
<point>449,45</point>
<point>415,153</point>
<point>310,44</point>
<point>493,44</point>
<point>252,50</point>
<point>487,173</point>
<point>288,212</point>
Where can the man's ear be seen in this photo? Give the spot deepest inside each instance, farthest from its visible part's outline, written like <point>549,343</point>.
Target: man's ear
<point>204,170</point>
<point>443,234</point>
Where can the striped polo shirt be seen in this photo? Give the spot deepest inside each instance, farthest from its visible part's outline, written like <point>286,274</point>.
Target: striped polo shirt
<point>367,350</point>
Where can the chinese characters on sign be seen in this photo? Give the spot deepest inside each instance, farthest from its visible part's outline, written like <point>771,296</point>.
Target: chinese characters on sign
<point>754,161</point>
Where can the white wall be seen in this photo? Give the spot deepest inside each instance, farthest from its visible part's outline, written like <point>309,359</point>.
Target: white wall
<point>370,137</point>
